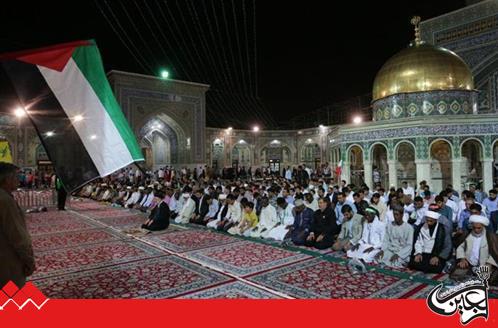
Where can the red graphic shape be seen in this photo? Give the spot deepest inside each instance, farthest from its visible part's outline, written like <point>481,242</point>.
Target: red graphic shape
<point>20,298</point>
<point>10,289</point>
<point>3,298</point>
<point>34,293</point>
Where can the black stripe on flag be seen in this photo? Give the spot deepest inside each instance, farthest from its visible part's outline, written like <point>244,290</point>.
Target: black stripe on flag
<point>65,149</point>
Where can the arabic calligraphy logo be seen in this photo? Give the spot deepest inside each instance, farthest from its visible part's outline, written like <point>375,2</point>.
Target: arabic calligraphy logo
<point>470,298</point>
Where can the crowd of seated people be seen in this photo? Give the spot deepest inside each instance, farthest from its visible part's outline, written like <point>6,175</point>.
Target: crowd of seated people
<point>407,227</point>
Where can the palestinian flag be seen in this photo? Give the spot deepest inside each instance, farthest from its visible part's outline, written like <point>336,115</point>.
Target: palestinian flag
<point>65,93</point>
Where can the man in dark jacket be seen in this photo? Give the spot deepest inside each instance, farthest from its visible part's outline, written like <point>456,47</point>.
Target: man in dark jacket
<point>16,253</point>
<point>323,227</point>
<point>303,216</point>
<point>302,177</point>
<point>159,217</point>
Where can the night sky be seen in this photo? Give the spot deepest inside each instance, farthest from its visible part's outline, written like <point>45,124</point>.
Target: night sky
<point>304,55</point>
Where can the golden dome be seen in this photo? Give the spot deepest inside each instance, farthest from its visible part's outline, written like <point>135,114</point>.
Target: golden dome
<point>422,67</point>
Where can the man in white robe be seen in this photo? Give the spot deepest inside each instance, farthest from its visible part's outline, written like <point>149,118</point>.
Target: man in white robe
<point>379,206</point>
<point>135,196</point>
<point>479,248</point>
<point>416,211</point>
<point>267,219</point>
<point>233,216</point>
<point>286,220</point>
<point>187,210</point>
<point>408,190</point>
<point>372,237</point>
<point>398,242</point>
<point>220,214</point>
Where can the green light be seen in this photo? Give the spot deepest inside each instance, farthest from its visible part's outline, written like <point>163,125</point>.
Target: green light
<point>164,74</point>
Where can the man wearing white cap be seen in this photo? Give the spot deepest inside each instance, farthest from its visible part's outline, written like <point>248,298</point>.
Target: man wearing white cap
<point>188,208</point>
<point>432,248</point>
<point>220,213</point>
<point>372,237</point>
<point>479,248</point>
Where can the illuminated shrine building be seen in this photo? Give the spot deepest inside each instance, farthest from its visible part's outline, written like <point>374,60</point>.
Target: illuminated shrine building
<point>434,108</point>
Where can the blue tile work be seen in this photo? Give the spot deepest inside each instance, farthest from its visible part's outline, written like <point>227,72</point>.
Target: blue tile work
<point>472,32</point>
<point>433,103</point>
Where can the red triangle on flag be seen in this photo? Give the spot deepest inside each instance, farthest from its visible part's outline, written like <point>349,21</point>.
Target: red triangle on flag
<point>53,59</point>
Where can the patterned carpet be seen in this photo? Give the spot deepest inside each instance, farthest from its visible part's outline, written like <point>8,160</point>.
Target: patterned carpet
<point>189,240</point>
<point>53,241</point>
<point>163,277</point>
<point>245,257</point>
<point>232,290</point>
<point>85,257</point>
<point>89,252</point>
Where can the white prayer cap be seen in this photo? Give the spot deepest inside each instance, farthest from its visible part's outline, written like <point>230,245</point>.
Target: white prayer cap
<point>432,215</point>
<point>222,197</point>
<point>479,219</point>
<point>186,195</point>
<point>298,202</point>
<point>150,186</point>
<point>129,188</point>
<point>141,188</point>
<point>104,185</point>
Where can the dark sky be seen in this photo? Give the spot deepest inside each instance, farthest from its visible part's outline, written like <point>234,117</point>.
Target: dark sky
<point>308,53</point>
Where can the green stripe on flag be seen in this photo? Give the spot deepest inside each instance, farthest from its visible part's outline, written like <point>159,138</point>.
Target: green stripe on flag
<point>90,64</point>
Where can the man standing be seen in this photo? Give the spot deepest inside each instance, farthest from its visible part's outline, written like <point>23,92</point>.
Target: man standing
<point>16,253</point>
<point>408,190</point>
<point>61,194</point>
<point>491,203</point>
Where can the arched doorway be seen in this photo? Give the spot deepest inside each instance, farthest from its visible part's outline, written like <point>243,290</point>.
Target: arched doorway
<point>441,165</point>
<point>163,142</point>
<point>241,155</point>
<point>217,149</point>
<point>356,165</point>
<point>380,169</point>
<point>161,149</point>
<point>471,165</point>
<point>311,155</point>
<point>405,164</point>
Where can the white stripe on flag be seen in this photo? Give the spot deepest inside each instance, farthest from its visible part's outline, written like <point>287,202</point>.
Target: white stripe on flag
<point>97,131</point>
